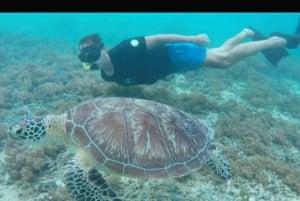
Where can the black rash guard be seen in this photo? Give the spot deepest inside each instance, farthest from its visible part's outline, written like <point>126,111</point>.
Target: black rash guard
<point>135,64</point>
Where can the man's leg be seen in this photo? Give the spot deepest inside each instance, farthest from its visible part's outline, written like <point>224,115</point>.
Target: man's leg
<point>248,49</point>
<point>237,39</point>
<point>218,58</point>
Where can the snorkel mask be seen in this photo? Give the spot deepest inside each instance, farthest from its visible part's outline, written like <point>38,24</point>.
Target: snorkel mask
<point>89,55</point>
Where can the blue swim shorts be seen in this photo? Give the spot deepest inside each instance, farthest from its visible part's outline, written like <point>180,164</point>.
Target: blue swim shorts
<point>186,56</point>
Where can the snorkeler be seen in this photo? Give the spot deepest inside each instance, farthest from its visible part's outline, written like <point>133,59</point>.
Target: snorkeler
<point>146,59</point>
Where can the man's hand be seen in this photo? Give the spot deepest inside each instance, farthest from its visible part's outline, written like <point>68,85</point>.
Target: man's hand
<point>201,39</point>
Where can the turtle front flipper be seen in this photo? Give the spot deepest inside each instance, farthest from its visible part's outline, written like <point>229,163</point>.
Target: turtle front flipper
<point>87,185</point>
<point>220,164</point>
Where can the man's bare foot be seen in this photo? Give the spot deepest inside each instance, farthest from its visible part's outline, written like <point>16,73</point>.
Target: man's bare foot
<point>278,41</point>
<point>248,32</point>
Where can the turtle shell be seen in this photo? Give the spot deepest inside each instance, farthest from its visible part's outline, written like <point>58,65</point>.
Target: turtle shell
<point>140,138</point>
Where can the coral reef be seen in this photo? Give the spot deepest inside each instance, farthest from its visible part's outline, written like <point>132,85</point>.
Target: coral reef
<point>23,163</point>
<point>28,162</point>
<point>257,133</point>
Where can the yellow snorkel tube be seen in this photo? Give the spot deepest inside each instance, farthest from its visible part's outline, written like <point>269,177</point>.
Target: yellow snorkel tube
<point>86,66</point>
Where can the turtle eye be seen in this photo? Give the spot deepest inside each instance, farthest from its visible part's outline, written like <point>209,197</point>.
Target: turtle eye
<point>19,131</point>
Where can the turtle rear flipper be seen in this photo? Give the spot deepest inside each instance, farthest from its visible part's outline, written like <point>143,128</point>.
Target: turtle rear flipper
<point>87,185</point>
<point>220,164</point>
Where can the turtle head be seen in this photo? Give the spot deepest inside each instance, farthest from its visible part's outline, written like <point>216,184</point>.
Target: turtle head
<point>28,130</point>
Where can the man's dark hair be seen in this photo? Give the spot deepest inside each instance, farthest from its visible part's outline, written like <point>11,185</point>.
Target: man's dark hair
<point>94,39</point>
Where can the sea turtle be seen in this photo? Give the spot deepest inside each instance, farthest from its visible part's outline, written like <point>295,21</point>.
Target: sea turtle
<point>132,137</point>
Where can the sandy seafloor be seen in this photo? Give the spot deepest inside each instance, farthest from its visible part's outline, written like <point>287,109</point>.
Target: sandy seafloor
<point>253,107</point>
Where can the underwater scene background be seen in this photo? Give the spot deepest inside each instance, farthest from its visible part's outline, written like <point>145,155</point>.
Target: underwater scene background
<point>253,106</point>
